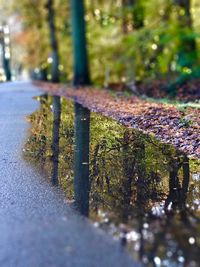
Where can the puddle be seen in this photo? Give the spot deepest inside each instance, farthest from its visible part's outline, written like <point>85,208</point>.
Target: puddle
<point>143,193</point>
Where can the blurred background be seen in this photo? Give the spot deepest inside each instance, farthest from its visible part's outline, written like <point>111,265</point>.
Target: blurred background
<point>130,42</point>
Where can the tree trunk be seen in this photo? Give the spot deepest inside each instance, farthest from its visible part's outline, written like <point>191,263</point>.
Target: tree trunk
<point>161,46</point>
<point>187,47</point>
<point>6,57</point>
<point>81,69</point>
<point>53,42</point>
<point>133,15</point>
<point>43,74</point>
<point>138,15</point>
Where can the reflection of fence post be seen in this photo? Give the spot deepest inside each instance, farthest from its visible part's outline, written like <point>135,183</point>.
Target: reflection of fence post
<point>81,159</point>
<point>55,139</point>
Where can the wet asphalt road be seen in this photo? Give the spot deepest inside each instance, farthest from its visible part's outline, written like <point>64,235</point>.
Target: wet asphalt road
<point>37,229</point>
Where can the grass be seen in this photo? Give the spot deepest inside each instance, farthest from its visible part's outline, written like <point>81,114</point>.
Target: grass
<point>178,104</point>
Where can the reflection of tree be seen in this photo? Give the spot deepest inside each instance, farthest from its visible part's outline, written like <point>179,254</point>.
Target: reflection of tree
<point>179,225</point>
<point>177,196</point>
<point>119,170</point>
<point>37,147</point>
<point>136,185</point>
<point>174,185</point>
<point>128,166</point>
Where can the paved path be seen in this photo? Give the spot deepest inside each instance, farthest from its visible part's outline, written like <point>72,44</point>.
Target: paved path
<point>36,227</point>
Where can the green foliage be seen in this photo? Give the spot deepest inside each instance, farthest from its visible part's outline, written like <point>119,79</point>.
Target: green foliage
<point>161,39</point>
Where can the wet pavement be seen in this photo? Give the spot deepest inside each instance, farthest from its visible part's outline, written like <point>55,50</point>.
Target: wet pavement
<point>141,192</point>
<point>37,225</point>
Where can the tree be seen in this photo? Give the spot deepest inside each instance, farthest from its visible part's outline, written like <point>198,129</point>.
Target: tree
<point>133,15</point>
<point>151,39</point>
<point>34,30</point>
<point>5,43</point>
<point>53,41</point>
<point>187,43</point>
<point>81,69</point>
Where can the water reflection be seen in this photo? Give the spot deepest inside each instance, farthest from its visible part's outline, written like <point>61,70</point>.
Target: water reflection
<point>144,193</point>
<point>81,158</point>
<point>55,139</point>
<point>176,199</point>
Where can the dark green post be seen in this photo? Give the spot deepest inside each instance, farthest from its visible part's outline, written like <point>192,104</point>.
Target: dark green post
<point>81,69</point>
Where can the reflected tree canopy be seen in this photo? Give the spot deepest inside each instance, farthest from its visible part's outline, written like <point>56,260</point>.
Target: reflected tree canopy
<point>144,193</point>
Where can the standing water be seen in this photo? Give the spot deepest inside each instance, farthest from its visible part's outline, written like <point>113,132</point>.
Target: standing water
<point>143,193</point>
